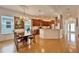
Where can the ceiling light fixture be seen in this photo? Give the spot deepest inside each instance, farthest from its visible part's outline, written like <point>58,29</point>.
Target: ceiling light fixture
<point>68,13</point>
<point>24,11</point>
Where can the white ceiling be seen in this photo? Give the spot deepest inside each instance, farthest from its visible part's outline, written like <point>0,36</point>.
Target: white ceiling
<point>44,10</point>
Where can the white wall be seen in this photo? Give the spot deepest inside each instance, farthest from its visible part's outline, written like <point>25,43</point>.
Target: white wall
<point>4,12</point>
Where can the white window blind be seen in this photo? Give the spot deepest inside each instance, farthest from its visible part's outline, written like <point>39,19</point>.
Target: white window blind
<point>7,23</point>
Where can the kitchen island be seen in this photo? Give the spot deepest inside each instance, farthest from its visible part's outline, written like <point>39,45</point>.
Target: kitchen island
<point>50,34</point>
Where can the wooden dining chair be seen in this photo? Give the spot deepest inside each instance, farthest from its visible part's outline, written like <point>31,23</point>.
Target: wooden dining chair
<point>18,39</point>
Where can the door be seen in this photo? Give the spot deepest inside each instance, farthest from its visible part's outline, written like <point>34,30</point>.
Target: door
<point>72,33</point>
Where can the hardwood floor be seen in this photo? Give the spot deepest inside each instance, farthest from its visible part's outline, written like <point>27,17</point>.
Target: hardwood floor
<point>7,46</point>
<point>41,46</point>
<point>45,46</point>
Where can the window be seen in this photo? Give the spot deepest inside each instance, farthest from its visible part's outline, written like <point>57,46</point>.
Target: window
<point>7,24</point>
<point>27,27</point>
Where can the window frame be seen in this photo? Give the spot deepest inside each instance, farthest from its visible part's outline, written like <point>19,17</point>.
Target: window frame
<point>11,20</point>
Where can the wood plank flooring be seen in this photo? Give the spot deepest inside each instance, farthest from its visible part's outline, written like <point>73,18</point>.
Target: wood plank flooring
<point>41,46</point>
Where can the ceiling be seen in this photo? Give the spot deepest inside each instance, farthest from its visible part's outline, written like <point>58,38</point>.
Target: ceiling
<point>45,10</point>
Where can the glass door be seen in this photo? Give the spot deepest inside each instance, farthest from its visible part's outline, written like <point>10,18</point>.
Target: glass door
<point>72,33</point>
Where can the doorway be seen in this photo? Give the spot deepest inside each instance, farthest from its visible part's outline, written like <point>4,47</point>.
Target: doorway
<point>72,33</point>
<point>71,36</point>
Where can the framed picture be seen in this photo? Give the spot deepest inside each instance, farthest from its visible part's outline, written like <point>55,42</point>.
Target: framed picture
<point>19,23</point>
